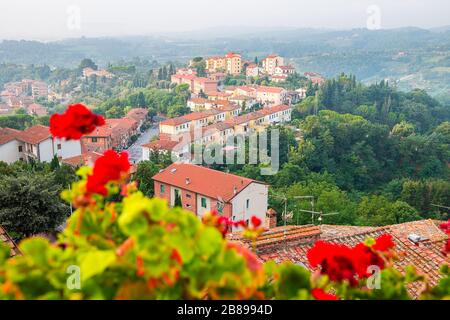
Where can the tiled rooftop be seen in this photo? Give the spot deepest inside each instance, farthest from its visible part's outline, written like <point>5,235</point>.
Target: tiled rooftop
<point>191,177</point>
<point>425,256</point>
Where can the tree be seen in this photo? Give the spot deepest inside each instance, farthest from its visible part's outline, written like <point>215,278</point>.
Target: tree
<point>141,100</point>
<point>54,164</point>
<point>64,175</point>
<point>31,204</point>
<point>115,112</point>
<point>379,211</point>
<point>144,173</point>
<point>87,63</point>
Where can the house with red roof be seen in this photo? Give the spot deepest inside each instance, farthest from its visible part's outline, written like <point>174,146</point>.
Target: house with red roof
<point>191,121</point>
<point>36,109</point>
<point>115,133</point>
<point>84,159</point>
<point>315,78</point>
<point>35,143</point>
<point>217,76</point>
<point>271,95</point>
<point>276,114</point>
<point>202,84</point>
<point>253,70</point>
<point>218,95</point>
<point>175,147</point>
<point>201,189</point>
<point>139,115</point>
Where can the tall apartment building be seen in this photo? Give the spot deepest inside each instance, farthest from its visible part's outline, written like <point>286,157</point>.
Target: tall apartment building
<point>271,62</point>
<point>231,63</point>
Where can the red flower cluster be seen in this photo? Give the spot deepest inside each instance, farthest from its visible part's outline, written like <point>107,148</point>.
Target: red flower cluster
<point>446,228</point>
<point>109,167</point>
<point>319,294</point>
<point>222,223</point>
<point>74,122</point>
<point>256,222</point>
<point>341,262</point>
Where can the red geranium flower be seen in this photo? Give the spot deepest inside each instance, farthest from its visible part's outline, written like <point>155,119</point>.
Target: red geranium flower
<point>256,222</point>
<point>109,167</point>
<point>446,228</point>
<point>74,122</point>
<point>383,243</point>
<point>176,256</point>
<point>335,260</point>
<point>363,258</point>
<point>446,247</point>
<point>319,294</point>
<point>341,262</point>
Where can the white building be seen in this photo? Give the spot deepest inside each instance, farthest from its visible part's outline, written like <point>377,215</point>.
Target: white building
<point>35,143</point>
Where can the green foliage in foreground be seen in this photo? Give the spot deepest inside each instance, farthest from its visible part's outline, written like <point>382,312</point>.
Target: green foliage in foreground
<point>138,248</point>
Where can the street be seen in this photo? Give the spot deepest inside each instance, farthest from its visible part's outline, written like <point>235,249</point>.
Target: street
<point>135,150</point>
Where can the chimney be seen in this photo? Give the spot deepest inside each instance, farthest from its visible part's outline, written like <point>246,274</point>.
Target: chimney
<point>234,190</point>
<point>271,218</point>
<point>188,181</point>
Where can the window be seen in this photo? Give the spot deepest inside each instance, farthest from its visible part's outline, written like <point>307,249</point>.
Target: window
<point>203,201</point>
<point>188,195</point>
<point>58,146</point>
<point>247,205</point>
<point>94,139</point>
<point>162,188</point>
<point>20,149</point>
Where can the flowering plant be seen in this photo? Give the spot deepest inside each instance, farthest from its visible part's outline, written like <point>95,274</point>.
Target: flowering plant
<point>119,244</point>
<point>74,122</point>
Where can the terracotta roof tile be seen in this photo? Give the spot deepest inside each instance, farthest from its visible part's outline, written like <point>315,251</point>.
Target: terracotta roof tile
<point>168,145</point>
<point>270,89</point>
<point>137,114</point>
<point>84,159</point>
<point>8,134</point>
<point>35,134</point>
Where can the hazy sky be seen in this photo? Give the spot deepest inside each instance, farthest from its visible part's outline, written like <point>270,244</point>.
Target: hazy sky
<point>55,19</point>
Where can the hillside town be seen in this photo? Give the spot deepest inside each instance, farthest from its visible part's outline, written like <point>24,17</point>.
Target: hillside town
<point>211,103</point>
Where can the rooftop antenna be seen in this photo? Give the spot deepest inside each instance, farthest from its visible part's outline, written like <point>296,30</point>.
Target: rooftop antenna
<point>312,204</point>
<point>439,206</point>
<point>319,213</point>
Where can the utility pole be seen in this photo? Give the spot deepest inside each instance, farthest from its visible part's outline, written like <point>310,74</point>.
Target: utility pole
<point>284,198</point>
